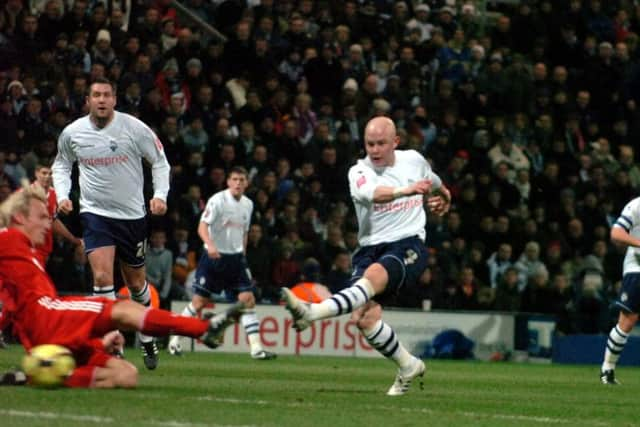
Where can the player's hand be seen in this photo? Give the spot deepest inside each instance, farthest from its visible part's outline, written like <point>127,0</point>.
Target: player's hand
<point>157,206</point>
<point>113,342</point>
<point>65,207</point>
<point>440,203</point>
<point>212,251</point>
<point>421,187</point>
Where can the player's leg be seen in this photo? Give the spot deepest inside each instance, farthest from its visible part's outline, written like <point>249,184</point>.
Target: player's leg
<point>116,373</point>
<point>135,278</point>
<point>615,344</point>
<point>130,236</point>
<point>131,316</point>
<point>383,338</point>
<point>370,279</point>
<point>238,274</point>
<point>101,260</point>
<point>101,250</point>
<point>629,303</point>
<point>251,325</point>
<point>191,310</point>
<point>204,284</point>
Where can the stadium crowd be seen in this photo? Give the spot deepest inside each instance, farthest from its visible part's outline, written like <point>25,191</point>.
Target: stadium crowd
<point>528,112</point>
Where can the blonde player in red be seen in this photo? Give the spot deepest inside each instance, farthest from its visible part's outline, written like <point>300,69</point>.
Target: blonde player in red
<point>82,324</point>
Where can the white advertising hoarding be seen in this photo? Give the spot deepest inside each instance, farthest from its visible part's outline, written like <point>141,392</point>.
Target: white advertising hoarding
<point>340,337</point>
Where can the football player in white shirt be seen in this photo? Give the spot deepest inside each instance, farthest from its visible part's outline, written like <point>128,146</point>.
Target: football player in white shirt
<point>625,231</point>
<point>223,229</point>
<point>387,187</point>
<point>109,147</point>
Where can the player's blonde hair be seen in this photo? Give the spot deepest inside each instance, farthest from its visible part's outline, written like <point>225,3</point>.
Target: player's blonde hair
<point>20,202</point>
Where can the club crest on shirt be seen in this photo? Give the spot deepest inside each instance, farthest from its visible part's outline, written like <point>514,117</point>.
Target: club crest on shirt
<point>113,145</point>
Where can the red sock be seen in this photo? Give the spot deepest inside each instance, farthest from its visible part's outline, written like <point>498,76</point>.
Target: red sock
<point>82,377</point>
<point>160,323</point>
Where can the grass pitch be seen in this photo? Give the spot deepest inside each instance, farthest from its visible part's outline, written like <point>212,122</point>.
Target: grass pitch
<point>215,389</point>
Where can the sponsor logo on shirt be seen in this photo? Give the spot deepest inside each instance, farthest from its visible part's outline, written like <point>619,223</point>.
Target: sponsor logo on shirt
<point>104,161</point>
<point>403,205</point>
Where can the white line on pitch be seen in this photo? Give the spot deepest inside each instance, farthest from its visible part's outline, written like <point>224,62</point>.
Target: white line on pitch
<point>104,420</point>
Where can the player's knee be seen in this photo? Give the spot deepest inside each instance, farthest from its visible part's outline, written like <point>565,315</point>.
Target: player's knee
<point>127,375</point>
<point>627,321</point>
<point>247,298</point>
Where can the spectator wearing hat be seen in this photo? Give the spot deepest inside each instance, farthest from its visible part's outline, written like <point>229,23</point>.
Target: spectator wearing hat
<point>421,21</point>
<point>447,21</point>
<point>102,51</point>
<point>169,81</point>
<point>193,77</point>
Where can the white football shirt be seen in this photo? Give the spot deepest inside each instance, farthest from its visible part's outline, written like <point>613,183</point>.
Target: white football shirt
<point>629,220</point>
<point>228,220</point>
<point>110,165</point>
<point>400,218</point>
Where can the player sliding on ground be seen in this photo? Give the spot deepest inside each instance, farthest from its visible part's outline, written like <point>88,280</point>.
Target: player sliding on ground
<point>82,324</point>
<point>387,188</point>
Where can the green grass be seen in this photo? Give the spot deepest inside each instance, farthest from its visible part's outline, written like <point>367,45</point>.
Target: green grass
<point>216,389</point>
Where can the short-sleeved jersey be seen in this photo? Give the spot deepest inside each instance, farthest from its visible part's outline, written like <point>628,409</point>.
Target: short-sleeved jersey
<point>229,220</point>
<point>110,165</point>
<point>629,220</point>
<point>400,218</point>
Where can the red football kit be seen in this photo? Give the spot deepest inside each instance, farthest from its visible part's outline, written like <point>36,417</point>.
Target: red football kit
<point>39,316</point>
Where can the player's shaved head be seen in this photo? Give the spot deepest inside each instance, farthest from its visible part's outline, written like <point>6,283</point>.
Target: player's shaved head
<point>380,128</point>
<point>380,141</point>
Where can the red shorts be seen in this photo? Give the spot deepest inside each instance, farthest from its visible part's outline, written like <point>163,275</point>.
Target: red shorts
<point>68,321</point>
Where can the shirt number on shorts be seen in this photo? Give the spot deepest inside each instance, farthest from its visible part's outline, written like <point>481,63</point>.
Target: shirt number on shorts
<point>141,249</point>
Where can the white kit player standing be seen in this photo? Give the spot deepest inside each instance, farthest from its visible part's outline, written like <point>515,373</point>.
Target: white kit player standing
<point>109,147</point>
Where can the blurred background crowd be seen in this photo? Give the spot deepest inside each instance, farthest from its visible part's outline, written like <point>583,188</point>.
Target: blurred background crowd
<point>527,110</point>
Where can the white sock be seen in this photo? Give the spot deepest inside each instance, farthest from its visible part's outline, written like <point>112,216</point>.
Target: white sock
<point>343,302</point>
<point>104,291</point>
<point>251,326</point>
<point>143,297</point>
<point>384,339</point>
<point>189,311</point>
<point>615,344</point>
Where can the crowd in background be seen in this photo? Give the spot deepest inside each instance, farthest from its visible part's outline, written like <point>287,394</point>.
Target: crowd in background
<point>527,111</point>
